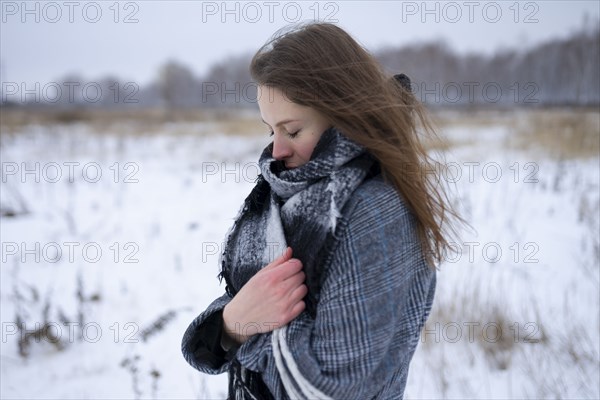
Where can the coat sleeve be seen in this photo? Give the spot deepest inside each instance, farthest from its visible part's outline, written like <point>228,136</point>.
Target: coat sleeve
<point>376,296</point>
<point>201,343</point>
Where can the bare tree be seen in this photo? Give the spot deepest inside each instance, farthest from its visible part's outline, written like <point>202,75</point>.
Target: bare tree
<point>177,85</point>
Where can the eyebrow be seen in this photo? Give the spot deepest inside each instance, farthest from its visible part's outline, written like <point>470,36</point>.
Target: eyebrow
<point>281,122</point>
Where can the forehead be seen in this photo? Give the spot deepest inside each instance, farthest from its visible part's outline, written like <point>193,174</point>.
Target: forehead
<point>275,106</point>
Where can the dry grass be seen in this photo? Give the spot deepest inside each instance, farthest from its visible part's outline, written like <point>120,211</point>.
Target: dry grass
<point>557,365</point>
<point>559,133</point>
<point>471,118</point>
<point>139,121</point>
<point>472,318</point>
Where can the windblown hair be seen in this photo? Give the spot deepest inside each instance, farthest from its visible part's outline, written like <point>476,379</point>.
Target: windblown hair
<point>319,65</point>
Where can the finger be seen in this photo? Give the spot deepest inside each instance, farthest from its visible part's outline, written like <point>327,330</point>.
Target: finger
<point>288,269</point>
<point>285,256</point>
<point>292,311</point>
<point>298,308</point>
<point>295,280</point>
<point>298,293</point>
<point>290,284</point>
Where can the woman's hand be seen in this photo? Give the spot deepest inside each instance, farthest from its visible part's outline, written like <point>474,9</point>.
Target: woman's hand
<point>270,299</point>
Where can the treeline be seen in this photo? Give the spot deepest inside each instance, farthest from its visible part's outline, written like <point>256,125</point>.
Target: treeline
<point>559,72</point>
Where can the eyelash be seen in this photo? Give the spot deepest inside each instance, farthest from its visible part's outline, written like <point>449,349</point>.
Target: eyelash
<point>291,135</point>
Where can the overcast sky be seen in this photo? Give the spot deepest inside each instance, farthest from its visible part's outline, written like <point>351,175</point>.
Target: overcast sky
<point>44,41</point>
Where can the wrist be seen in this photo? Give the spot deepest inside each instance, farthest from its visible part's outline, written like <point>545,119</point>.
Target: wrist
<point>230,336</point>
<point>227,342</point>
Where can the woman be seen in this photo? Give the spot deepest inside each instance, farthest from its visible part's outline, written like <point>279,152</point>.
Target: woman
<point>357,227</point>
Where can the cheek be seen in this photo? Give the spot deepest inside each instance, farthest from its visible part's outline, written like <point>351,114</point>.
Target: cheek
<point>305,149</point>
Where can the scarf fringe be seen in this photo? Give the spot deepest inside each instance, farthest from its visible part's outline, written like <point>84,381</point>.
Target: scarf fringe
<point>289,373</point>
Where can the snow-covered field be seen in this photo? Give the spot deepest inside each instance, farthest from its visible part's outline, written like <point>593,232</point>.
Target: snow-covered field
<point>113,241</point>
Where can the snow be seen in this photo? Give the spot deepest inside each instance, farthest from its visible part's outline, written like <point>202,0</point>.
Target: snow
<point>159,213</point>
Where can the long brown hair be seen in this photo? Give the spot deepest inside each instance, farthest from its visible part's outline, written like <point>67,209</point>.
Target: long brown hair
<point>319,65</point>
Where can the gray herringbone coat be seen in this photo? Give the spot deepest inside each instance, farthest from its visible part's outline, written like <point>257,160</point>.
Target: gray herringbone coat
<point>376,296</point>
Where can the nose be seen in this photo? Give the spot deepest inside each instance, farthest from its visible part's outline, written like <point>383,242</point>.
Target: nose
<point>281,148</point>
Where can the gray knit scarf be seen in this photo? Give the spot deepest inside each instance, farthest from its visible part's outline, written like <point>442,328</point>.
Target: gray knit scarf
<point>298,208</point>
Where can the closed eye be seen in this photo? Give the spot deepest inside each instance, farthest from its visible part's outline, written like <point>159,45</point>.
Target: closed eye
<point>291,135</point>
